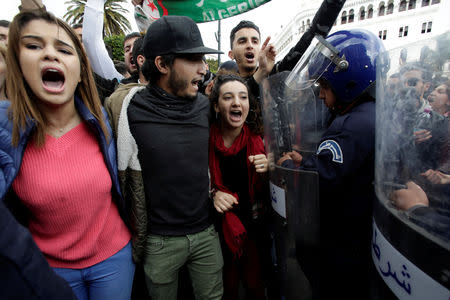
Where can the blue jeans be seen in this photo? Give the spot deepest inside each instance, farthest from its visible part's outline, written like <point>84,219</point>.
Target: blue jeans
<point>109,279</point>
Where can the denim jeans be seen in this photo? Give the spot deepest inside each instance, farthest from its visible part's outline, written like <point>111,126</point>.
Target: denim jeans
<point>109,279</point>
<point>201,252</point>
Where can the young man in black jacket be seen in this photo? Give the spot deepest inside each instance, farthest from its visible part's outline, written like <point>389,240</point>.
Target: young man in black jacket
<point>169,122</point>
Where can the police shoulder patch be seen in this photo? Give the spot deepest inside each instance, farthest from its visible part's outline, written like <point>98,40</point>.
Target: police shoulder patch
<point>335,149</point>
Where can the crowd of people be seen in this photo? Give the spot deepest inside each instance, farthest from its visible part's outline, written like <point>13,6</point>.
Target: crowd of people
<point>419,159</point>
<point>152,181</point>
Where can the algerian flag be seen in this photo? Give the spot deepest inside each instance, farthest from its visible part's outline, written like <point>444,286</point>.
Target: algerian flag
<point>198,10</point>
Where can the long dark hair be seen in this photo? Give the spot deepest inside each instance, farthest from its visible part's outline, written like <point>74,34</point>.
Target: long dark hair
<point>253,120</point>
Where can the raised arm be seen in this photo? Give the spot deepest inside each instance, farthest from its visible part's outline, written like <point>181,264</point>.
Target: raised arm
<point>93,40</point>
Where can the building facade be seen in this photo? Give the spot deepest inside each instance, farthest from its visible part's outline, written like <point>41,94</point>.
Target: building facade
<point>396,22</point>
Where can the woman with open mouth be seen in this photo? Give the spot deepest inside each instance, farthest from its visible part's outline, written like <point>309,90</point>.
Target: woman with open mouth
<point>58,164</point>
<point>238,165</point>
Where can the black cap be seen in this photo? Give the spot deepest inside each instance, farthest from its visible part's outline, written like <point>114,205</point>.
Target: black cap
<point>174,35</point>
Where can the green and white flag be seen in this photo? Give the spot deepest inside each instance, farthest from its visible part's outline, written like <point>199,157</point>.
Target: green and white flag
<point>198,10</point>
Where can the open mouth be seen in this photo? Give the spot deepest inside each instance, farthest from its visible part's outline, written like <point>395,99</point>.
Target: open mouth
<point>196,83</point>
<point>132,64</point>
<point>249,56</point>
<point>236,115</point>
<point>53,80</point>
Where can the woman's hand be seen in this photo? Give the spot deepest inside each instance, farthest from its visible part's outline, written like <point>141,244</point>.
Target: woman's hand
<point>223,201</point>
<point>260,162</point>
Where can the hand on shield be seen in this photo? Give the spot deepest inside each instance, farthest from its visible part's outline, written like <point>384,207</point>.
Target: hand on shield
<point>404,199</point>
<point>293,155</point>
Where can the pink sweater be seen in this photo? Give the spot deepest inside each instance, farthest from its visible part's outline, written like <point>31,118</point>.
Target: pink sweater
<point>67,188</point>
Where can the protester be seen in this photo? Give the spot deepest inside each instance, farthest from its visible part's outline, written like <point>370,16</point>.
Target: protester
<point>78,28</point>
<point>429,129</point>
<point>4,26</point>
<point>128,164</point>
<point>344,160</point>
<point>128,45</point>
<point>61,173</point>
<point>439,99</point>
<point>256,61</point>
<point>169,122</point>
<point>237,164</point>
<point>129,169</point>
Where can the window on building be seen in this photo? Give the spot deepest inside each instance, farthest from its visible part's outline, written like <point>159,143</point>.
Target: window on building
<point>426,27</point>
<point>403,31</point>
<point>382,34</point>
<point>425,2</point>
<point>344,17</point>
<point>390,8</point>
<point>308,24</point>
<point>362,13</point>
<point>381,9</point>
<point>351,16</point>
<point>435,1</point>
<point>370,12</point>
<point>402,6</point>
<point>412,4</point>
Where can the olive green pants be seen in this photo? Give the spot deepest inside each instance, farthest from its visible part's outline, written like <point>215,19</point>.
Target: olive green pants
<point>200,252</point>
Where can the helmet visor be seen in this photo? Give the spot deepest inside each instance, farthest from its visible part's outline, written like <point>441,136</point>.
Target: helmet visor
<point>313,63</point>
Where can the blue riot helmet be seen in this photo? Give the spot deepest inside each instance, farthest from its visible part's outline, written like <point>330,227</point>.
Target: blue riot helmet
<point>346,60</point>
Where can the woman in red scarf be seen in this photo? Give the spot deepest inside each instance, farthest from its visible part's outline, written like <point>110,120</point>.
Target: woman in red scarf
<point>238,164</point>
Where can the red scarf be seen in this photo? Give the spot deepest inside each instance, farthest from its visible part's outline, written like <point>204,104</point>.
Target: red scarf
<point>233,230</point>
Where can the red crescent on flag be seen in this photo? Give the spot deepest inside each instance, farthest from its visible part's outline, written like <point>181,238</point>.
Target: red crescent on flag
<point>165,11</point>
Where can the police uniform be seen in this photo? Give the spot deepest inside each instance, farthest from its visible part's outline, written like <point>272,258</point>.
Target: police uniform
<point>345,163</point>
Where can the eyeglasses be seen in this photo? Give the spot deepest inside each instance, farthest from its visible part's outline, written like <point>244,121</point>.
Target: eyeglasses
<point>412,81</point>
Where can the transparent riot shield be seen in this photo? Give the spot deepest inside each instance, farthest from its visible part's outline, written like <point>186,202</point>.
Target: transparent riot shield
<point>294,120</point>
<point>411,225</point>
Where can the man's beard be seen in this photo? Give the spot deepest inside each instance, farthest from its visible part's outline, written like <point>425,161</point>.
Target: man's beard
<point>177,85</point>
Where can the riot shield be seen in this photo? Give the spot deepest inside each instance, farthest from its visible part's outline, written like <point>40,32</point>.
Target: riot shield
<point>293,120</point>
<point>411,224</point>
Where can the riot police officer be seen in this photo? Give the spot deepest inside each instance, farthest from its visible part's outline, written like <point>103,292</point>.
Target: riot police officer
<point>342,68</point>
